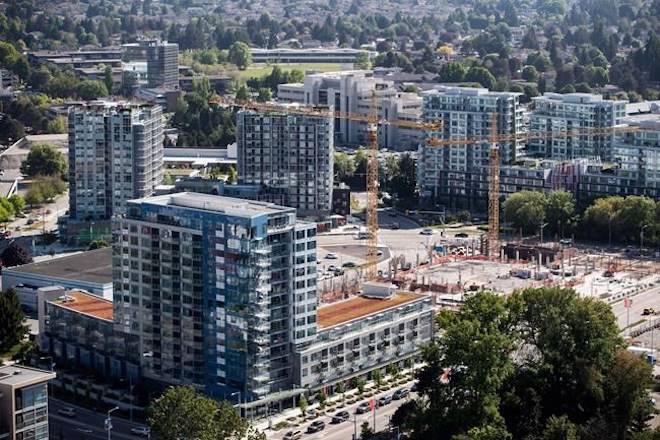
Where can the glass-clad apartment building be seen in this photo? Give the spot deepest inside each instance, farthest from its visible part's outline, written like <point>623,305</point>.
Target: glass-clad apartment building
<point>214,287</point>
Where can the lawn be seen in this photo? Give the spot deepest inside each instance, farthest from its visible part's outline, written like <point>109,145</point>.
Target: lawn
<point>259,70</point>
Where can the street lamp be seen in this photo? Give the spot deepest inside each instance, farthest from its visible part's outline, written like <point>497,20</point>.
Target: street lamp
<point>108,422</point>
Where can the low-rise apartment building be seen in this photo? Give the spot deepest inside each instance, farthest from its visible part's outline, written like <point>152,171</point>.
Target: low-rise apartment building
<point>313,55</point>
<point>362,334</point>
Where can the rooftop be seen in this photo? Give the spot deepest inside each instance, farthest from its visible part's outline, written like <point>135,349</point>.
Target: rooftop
<point>91,266</point>
<point>220,204</point>
<point>18,375</point>
<point>87,304</point>
<point>358,307</point>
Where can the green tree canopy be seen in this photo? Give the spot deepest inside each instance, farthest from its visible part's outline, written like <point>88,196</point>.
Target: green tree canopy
<point>44,160</point>
<point>240,55</point>
<point>89,89</point>
<point>482,76</point>
<point>182,413</point>
<point>526,210</point>
<point>540,364</point>
<point>12,320</point>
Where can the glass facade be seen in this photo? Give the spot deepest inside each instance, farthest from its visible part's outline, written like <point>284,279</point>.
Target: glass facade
<point>31,412</point>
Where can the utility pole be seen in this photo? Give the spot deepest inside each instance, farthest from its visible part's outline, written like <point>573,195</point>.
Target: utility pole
<point>108,422</point>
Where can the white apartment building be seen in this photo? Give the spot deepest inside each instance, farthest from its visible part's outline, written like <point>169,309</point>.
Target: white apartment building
<point>587,115</point>
<point>313,55</point>
<point>115,154</point>
<point>350,93</point>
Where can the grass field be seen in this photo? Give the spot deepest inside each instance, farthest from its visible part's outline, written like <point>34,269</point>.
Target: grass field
<point>259,70</point>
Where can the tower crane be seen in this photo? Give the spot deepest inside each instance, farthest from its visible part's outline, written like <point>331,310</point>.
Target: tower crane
<point>372,120</point>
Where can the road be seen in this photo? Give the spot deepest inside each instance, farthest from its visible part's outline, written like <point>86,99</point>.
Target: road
<point>345,430</point>
<point>641,301</point>
<point>86,425</point>
<point>40,216</point>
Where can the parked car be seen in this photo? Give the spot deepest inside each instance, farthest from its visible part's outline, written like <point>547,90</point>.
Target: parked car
<point>30,221</point>
<point>339,271</point>
<point>292,435</point>
<point>461,235</point>
<point>331,256</point>
<point>316,426</point>
<point>395,226</point>
<point>385,400</point>
<point>349,264</point>
<point>426,231</point>
<point>67,412</point>
<point>141,431</point>
<point>341,416</point>
<point>414,386</point>
<point>400,393</point>
<point>649,311</point>
<point>332,268</point>
<point>566,241</point>
<point>362,408</point>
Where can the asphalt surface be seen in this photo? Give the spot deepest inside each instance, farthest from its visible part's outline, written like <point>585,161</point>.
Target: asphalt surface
<point>641,301</point>
<point>345,430</point>
<point>86,425</point>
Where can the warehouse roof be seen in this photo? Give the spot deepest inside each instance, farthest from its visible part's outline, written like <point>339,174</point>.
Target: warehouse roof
<point>91,266</point>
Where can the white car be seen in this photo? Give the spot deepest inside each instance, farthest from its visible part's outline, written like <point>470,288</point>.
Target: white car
<point>142,431</point>
<point>331,256</point>
<point>67,412</point>
<point>426,231</point>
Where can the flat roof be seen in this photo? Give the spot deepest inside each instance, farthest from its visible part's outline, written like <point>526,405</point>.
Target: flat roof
<point>358,307</point>
<point>87,304</point>
<point>220,204</point>
<point>90,266</point>
<point>18,375</point>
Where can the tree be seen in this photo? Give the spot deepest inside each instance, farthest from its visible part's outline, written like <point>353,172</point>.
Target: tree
<point>11,130</point>
<point>344,167</point>
<point>377,377</point>
<point>450,72</point>
<point>34,196</point>
<point>302,404</point>
<point>542,363</point>
<point>365,431</point>
<point>58,125</point>
<point>97,244</point>
<point>529,73</point>
<point>362,61</point>
<point>18,202</point>
<point>264,95</point>
<point>559,211</point>
<point>108,81</point>
<point>404,182</point>
<point>482,76</point>
<point>90,89</point>
<point>240,55</point>
<point>44,160</point>
<point>181,412</point>
<point>12,320</point>
<point>15,255</point>
<point>359,384</point>
<point>526,210</point>
<point>560,428</point>
<point>242,93</point>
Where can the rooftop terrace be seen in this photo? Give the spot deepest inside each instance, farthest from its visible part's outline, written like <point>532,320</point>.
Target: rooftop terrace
<point>358,307</point>
<point>87,304</point>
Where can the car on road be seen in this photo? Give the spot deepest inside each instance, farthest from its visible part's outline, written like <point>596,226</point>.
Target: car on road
<point>384,400</point>
<point>400,393</point>
<point>316,426</point>
<point>362,408</point>
<point>332,268</point>
<point>414,386</point>
<point>292,435</point>
<point>331,256</point>
<point>341,416</point>
<point>395,226</point>
<point>141,431</point>
<point>67,412</point>
<point>426,231</point>
<point>349,264</point>
<point>566,241</point>
<point>30,221</point>
<point>649,311</point>
<point>461,235</point>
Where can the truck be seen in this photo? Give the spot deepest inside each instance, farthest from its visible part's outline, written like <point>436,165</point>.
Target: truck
<point>647,353</point>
